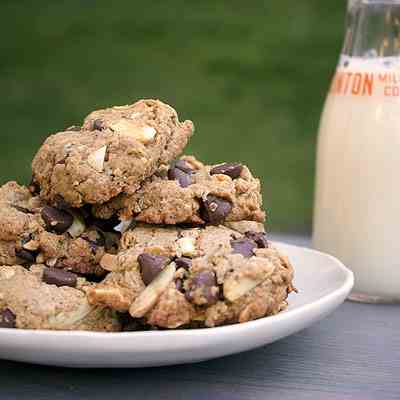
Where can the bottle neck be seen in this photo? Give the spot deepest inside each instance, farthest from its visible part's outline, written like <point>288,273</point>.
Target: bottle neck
<point>372,29</point>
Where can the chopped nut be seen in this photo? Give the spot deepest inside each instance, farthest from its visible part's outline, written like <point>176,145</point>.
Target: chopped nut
<point>123,225</point>
<point>186,246</point>
<point>96,159</point>
<point>233,288</point>
<point>148,298</point>
<point>78,226</point>
<point>239,283</point>
<point>65,320</point>
<point>144,134</point>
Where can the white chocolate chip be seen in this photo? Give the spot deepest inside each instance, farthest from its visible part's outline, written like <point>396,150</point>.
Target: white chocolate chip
<point>96,159</point>
<point>148,134</point>
<point>148,298</point>
<point>144,134</point>
<point>186,246</point>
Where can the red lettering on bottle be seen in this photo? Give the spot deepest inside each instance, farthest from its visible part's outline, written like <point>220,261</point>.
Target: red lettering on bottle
<point>368,84</point>
<point>356,87</point>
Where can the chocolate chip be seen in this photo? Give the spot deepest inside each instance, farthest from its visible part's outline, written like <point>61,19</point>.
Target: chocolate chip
<point>34,187</point>
<point>111,241</point>
<point>151,265</point>
<point>215,209</point>
<point>203,285</point>
<point>107,225</point>
<point>25,255</point>
<point>231,169</point>
<point>259,237</point>
<point>98,124</point>
<point>129,324</point>
<point>56,220</point>
<point>183,166</point>
<point>182,177</point>
<point>59,277</point>
<point>244,247</point>
<point>179,285</point>
<point>183,262</point>
<point>7,319</point>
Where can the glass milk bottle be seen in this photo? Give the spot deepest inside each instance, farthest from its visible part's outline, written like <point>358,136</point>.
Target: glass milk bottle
<point>357,202</point>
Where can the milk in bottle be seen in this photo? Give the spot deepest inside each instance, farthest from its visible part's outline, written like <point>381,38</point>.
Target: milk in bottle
<point>357,201</point>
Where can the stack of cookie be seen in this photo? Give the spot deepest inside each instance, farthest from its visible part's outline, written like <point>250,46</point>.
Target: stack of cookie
<point>116,232</point>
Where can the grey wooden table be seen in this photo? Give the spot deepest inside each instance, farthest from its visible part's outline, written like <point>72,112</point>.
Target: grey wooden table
<point>352,354</point>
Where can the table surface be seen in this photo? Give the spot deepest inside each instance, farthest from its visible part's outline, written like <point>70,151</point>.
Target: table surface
<point>352,354</point>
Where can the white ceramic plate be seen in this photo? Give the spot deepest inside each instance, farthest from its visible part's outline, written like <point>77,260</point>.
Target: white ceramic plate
<point>323,284</point>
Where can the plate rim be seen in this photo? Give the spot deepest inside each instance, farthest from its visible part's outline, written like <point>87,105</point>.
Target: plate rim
<point>340,292</point>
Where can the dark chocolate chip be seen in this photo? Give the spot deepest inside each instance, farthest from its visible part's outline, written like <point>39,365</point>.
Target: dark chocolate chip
<point>231,169</point>
<point>56,220</point>
<point>182,177</point>
<point>7,319</point>
<point>98,124</point>
<point>215,209</point>
<point>183,262</point>
<point>59,277</point>
<point>107,225</point>
<point>179,285</point>
<point>259,237</point>
<point>34,187</point>
<point>130,324</point>
<point>151,265</point>
<point>244,247</point>
<point>183,166</point>
<point>111,241</point>
<point>25,255</point>
<point>205,283</point>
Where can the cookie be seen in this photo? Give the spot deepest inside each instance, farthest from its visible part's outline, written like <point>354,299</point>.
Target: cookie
<point>116,149</point>
<point>28,302</point>
<point>33,232</point>
<point>191,192</point>
<point>173,277</point>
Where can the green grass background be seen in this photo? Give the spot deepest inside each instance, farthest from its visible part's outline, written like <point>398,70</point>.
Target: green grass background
<point>251,75</point>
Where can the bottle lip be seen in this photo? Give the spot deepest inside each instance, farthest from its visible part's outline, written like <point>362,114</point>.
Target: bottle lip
<point>376,1</point>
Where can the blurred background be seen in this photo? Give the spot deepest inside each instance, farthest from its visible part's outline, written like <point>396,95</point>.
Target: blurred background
<point>251,75</point>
